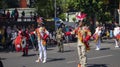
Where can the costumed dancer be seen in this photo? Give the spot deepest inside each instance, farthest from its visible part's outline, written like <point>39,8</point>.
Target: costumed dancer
<point>17,41</point>
<point>42,34</point>
<point>97,37</point>
<point>24,43</point>
<point>83,34</point>
<point>59,39</point>
<point>117,35</point>
<point>13,36</point>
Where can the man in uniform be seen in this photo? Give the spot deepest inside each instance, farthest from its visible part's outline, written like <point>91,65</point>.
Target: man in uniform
<point>59,38</point>
<point>83,34</point>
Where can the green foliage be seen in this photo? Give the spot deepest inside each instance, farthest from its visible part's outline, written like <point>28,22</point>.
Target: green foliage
<point>3,4</point>
<point>74,19</point>
<point>9,4</point>
<point>12,3</point>
<point>44,8</point>
<point>62,16</point>
<point>95,9</point>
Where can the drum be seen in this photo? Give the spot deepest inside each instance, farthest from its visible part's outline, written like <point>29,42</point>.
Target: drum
<point>23,43</point>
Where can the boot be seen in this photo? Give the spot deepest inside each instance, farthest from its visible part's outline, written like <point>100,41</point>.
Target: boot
<point>26,52</point>
<point>23,54</point>
<point>79,65</point>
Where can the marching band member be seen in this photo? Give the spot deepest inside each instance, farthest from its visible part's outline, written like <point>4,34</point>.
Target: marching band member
<point>83,34</point>
<point>117,35</point>
<point>97,36</point>
<point>24,43</point>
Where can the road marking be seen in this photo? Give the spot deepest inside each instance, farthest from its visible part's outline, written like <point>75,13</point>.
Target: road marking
<point>99,57</point>
<point>71,62</point>
<point>93,58</point>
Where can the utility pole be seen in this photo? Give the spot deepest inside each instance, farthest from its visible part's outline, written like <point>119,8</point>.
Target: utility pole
<point>119,12</point>
<point>55,13</point>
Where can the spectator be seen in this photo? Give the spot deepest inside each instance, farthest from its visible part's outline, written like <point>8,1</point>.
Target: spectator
<point>16,15</point>
<point>8,15</point>
<point>12,15</point>
<point>23,15</point>
<point>31,16</point>
<point>35,17</point>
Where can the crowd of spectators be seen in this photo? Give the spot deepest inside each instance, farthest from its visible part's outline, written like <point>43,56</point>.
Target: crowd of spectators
<point>16,15</point>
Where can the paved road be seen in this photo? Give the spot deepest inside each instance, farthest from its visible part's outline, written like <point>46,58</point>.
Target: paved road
<point>108,56</point>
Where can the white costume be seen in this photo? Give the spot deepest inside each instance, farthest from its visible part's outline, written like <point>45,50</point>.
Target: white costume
<point>42,50</point>
<point>116,33</point>
<point>98,33</point>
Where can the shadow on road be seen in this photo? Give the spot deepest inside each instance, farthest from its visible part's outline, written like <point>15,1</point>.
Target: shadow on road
<point>3,58</point>
<point>55,59</point>
<point>29,55</point>
<point>97,65</point>
<point>104,48</point>
<point>1,64</point>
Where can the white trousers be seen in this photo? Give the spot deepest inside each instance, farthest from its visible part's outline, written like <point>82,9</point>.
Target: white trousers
<point>98,43</point>
<point>116,43</point>
<point>42,51</point>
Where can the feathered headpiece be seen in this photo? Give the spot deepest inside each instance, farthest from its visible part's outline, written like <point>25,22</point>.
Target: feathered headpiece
<point>81,16</point>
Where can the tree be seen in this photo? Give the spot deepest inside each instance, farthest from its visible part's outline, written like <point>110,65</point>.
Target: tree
<point>96,9</point>
<point>44,8</point>
<point>2,2</point>
<point>12,3</point>
<point>9,4</point>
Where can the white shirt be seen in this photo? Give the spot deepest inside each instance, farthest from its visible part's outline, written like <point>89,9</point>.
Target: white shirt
<point>98,31</point>
<point>116,31</point>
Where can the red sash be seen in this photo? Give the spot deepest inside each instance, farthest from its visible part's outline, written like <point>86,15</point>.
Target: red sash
<point>118,36</point>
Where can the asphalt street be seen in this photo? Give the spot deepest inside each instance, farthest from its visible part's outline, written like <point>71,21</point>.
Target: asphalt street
<point>108,56</point>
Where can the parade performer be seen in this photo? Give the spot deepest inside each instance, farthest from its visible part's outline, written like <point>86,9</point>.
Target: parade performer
<point>24,43</point>
<point>59,39</point>
<point>17,42</point>
<point>97,37</point>
<point>83,34</point>
<point>41,33</point>
<point>117,35</point>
